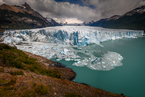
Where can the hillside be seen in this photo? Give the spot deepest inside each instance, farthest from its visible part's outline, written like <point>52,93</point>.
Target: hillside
<point>22,17</point>
<point>23,74</point>
<point>134,19</point>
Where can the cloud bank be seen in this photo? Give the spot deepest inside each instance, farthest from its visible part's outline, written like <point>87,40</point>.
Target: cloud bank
<point>66,12</point>
<point>107,8</point>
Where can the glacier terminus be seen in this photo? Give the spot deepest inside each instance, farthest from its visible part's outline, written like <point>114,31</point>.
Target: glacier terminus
<point>79,43</point>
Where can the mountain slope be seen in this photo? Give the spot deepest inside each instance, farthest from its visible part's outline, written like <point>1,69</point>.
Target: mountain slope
<point>134,19</point>
<point>21,17</point>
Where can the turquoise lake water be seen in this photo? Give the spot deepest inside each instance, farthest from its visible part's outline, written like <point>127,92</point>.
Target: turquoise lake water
<point>128,79</point>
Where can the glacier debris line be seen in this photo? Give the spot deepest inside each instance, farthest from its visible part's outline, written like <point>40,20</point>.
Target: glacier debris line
<point>77,43</point>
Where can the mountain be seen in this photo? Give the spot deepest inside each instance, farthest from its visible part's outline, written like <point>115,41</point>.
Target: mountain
<point>134,19</point>
<point>53,22</point>
<point>88,23</point>
<point>22,17</point>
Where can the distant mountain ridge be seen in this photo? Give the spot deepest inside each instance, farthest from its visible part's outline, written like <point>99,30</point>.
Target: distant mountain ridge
<point>22,17</point>
<point>134,19</point>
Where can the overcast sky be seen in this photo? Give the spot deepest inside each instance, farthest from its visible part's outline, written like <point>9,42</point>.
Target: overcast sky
<point>78,11</point>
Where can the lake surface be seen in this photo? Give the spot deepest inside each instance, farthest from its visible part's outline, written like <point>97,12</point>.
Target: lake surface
<point>127,79</point>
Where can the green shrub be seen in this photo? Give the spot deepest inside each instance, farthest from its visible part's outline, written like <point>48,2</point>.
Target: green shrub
<point>8,82</point>
<point>29,93</point>
<point>3,92</point>
<point>1,69</point>
<point>11,82</point>
<point>52,73</point>
<point>72,95</point>
<point>111,94</point>
<point>8,88</point>
<point>41,89</point>
<point>17,73</point>
<point>6,47</point>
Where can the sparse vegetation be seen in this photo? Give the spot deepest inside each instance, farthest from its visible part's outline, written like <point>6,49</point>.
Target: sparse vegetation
<point>13,57</point>
<point>7,82</point>
<point>72,95</point>
<point>6,85</point>
<point>11,82</point>
<point>6,93</point>
<point>29,93</point>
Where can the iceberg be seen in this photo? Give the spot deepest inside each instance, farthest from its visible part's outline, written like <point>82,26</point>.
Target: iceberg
<point>79,43</point>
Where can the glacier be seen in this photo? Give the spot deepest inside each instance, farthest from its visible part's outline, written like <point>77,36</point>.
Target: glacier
<point>79,43</point>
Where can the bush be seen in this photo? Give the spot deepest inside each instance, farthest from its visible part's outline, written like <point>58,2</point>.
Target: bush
<point>8,88</point>
<point>52,73</point>
<point>11,82</point>
<point>1,69</point>
<point>41,89</point>
<point>8,82</point>
<point>29,93</point>
<point>17,73</point>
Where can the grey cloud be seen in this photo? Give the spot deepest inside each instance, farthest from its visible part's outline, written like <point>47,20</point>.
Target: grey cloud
<point>62,10</point>
<point>65,9</point>
<point>108,8</point>
<point>1,2</point>
<point>50,8</point>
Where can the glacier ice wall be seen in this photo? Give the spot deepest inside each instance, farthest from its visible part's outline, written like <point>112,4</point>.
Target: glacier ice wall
<point>78,43</point>
<point>69,35</point>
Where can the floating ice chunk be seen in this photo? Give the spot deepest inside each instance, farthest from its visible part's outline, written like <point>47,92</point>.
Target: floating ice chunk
<point>58,59</point>
<point>65,51</point>
<point>67,59</point>
<point>107,62</point>
<point>97,58</point>
<point>8,40</point>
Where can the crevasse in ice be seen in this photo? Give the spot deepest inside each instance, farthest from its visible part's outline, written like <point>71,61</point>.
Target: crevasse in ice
<point>71,43</point>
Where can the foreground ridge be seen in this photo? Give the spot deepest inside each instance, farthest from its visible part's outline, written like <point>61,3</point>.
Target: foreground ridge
<point>21,76</point>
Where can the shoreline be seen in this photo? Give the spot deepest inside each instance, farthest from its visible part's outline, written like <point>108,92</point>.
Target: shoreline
<point>67,72</point>
<point>70,73</point>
